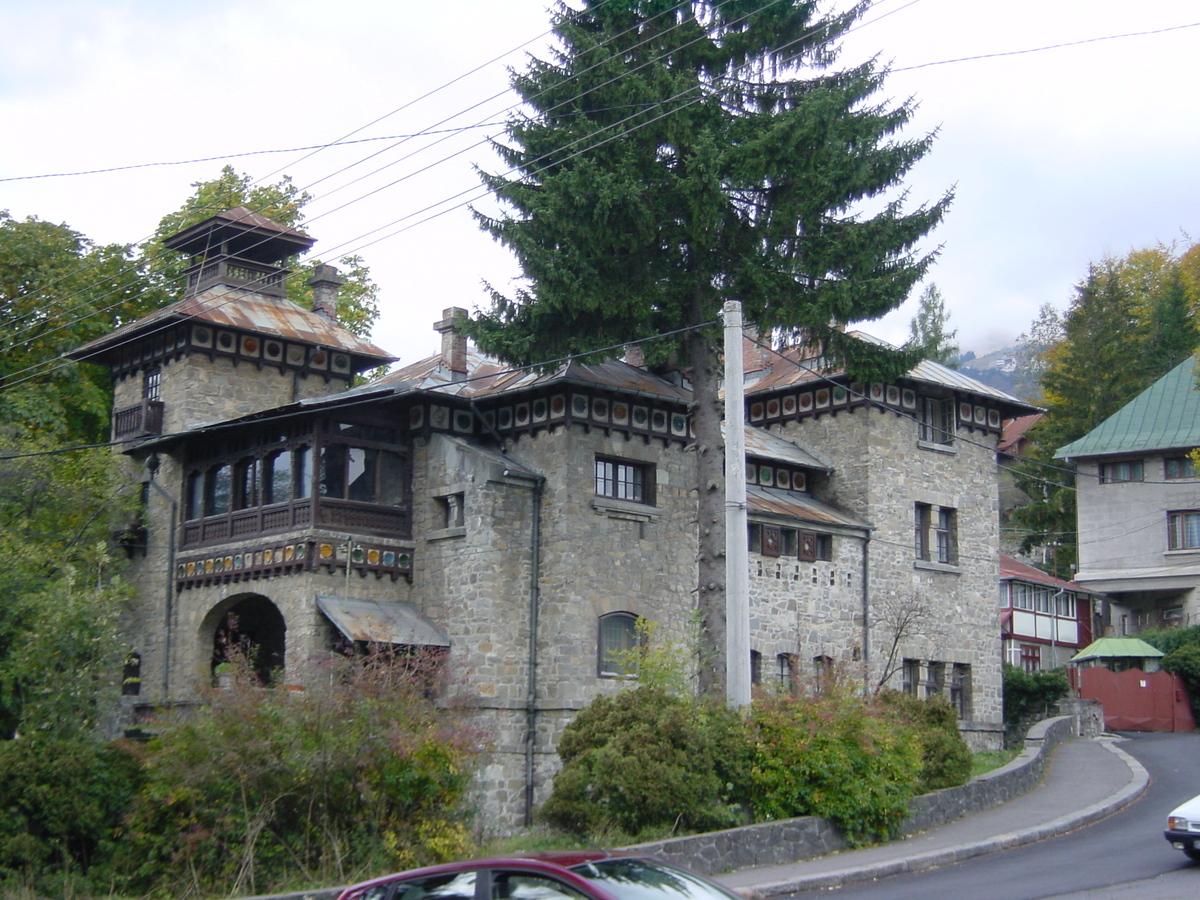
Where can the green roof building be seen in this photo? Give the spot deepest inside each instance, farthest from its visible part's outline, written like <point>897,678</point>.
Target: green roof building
<point>1138,506</point>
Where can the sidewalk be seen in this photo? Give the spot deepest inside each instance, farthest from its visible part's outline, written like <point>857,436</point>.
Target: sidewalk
<point>1087,779</point>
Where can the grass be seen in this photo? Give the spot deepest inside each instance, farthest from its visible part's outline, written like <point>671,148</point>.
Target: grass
<point>987,760</point>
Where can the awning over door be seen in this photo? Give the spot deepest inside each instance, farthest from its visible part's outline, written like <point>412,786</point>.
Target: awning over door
<point>381,622</point>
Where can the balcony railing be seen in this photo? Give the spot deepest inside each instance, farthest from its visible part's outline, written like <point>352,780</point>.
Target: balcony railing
<point>237,273</point>
<point>143,420</point>
<point>242,524</point>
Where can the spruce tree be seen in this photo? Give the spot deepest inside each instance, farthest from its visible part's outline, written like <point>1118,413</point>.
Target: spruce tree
<point>673,155</point>
<point>927,330</point>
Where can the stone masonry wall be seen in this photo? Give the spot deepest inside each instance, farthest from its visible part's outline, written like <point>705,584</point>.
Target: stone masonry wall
<point>881,471</point>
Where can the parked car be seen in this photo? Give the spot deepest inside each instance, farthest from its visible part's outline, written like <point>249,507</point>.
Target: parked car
<point>1183,828</point>
<point>561,875</point>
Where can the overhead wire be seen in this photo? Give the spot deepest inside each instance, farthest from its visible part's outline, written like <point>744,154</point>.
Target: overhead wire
<point>483,191</point>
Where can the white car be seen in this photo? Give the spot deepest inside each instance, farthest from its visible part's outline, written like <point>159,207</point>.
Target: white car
<point>1183,828</point>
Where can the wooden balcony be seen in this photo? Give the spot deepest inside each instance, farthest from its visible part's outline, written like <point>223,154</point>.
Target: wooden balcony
<point>143,420</point>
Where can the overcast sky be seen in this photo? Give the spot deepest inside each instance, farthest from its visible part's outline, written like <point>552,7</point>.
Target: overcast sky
<point>1057,157</point>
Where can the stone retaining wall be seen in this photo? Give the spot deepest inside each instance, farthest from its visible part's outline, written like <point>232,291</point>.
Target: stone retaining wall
<point>777,843</point>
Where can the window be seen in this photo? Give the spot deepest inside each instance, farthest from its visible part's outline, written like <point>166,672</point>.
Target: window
<point>1183,530</point>
<point>152,384</point>
<point>623,480</point>
<point>960,690</point>
<point>935,533</point>
<point>1117,472</point>
<point>785,670</point>
<point>935,682</point>
<point>454,886</point>
<point>527,886</point>
<point>1179,467</point>
<point>245,484</point>
<point>1031,657</point>
<point>218,490</point>
<point>1066,604</point>
<point>911,671</point>
<point>363,474</point>
<point>922,516</point>
<point>618,638</point>
<point>935,420</point>
<point>755,667</point>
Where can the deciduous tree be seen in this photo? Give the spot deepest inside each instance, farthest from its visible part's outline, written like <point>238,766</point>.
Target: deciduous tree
<point>673,155</point>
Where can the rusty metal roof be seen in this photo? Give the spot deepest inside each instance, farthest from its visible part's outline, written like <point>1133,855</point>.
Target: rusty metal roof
<point>796,366</point>
<point>764,444</point>
<point>240,232</point>
<point>381,622</point>
<point>794,505</point>
<point>258,313</point>
<point>486,377</point>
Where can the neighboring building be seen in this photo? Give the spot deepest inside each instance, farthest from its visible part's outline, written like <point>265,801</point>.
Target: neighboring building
<point>524,522</point>
<point>1044,621</point>
<point>1014,442</point>
<point>1138,506</point>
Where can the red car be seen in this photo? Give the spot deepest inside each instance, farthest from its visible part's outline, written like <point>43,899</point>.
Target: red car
<point>563,875</point>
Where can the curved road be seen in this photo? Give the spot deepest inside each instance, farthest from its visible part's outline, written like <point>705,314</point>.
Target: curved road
<point>1123,857</point>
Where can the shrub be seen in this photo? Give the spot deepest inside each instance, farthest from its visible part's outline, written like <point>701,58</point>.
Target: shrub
<point>1184,661</point>
<point>61,803</point>
<point>946,759</point>
<point>262,787</point>
<point>1029,695</point>
<point>832,755</point>
<point>644,760</point>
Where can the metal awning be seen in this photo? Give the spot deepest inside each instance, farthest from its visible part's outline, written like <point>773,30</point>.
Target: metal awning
<point>381,622</point>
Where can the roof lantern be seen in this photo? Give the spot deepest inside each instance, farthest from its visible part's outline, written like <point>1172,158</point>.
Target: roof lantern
<point>240,249</point>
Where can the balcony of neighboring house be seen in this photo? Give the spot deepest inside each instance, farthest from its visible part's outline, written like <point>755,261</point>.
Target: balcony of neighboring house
<point>144,419</point>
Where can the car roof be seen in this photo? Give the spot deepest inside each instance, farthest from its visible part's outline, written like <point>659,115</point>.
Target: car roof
<point>547,860</point>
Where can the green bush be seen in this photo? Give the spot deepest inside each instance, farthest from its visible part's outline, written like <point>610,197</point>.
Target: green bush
<point>1170,639</point>
<point>262,788</point>
<point>946,760</point>
<point>644,760</point>
<point>832,755</point>
<point>1184,661</point>
<point>1032,694</point>
<point>61,803</point>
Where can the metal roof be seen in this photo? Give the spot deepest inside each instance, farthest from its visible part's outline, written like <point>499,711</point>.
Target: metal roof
<point>793,505</point>
<point>1013,569</point>
<point>258,313</point>
<point>1165,416</point>
<point>768,446</point>
<point>1117,648</point>
<point>792,367</point>
<point>381,622</point>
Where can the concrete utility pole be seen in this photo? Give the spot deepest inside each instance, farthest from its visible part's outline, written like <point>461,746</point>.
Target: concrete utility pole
<point>737,561</point>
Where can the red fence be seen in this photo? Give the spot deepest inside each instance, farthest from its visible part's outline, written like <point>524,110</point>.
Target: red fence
<point>1135,701</point>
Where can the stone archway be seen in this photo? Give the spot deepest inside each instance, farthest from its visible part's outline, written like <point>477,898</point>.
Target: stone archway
<point>250,625</point>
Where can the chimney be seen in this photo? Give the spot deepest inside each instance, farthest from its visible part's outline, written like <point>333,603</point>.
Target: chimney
<point>454,339</point>
<point>325,283</point>
<point>635,356</point>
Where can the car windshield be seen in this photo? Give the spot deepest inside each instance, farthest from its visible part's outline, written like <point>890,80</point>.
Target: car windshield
<point>640,879</point>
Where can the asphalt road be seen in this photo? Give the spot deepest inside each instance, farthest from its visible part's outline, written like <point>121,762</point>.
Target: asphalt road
<point>1123,857</point>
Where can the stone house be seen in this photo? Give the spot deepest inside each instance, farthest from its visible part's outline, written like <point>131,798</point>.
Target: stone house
<point>525,522</point>
<point>1138,506</point>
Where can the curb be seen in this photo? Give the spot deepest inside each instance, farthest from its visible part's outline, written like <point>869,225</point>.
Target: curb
<point>1139,779</point>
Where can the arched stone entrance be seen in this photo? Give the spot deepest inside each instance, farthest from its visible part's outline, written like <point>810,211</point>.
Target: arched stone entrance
<point>249,625</point>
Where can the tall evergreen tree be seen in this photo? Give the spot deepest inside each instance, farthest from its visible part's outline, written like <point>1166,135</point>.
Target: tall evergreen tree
<point>927,330</point>
<point>673,155</point>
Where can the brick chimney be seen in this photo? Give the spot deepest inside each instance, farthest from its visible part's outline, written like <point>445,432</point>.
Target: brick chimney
<point>454,339</point>
<point>325,283</point>
<point>635,356</point>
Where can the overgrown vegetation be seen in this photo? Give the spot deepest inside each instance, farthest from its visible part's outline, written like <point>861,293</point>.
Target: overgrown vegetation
<point>647,763</point>
<point>255,790</point>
